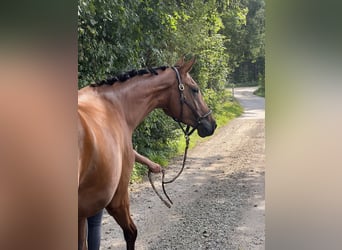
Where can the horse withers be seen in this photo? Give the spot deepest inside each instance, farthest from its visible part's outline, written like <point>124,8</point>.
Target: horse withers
<point>108,113</point>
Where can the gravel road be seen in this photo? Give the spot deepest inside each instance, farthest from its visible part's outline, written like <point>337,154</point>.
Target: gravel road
<point>219,200</point>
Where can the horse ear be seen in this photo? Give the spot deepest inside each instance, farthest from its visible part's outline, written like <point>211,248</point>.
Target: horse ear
<point>180,62</point>
<point>188,66</point>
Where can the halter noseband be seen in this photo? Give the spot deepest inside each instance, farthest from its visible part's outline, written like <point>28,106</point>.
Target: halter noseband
<point>183,101</point>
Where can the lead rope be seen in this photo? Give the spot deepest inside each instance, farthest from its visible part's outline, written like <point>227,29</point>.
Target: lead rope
<point>187,134</point>
<point>187,140</point>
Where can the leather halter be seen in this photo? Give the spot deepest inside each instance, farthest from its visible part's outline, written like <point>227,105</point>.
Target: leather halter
<point>183,101</point>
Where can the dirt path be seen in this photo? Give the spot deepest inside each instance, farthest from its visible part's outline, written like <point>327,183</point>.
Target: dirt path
<point>219,200</point>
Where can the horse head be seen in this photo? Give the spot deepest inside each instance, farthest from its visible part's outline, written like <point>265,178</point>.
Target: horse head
<point>186,101</point>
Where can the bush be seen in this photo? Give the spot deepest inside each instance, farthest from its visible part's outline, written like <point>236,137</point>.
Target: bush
<point>155,135</point>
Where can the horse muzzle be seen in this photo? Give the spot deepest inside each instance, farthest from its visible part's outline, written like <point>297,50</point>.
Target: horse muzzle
<point>206,128</point>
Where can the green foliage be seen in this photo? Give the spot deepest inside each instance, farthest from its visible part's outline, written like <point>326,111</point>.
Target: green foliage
<point>261,90</point>
<point>245,32</point>
<point>138,172</point>
<point>154,136</point>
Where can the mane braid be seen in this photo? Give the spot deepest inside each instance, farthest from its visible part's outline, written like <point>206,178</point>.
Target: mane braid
<point>127,75</point>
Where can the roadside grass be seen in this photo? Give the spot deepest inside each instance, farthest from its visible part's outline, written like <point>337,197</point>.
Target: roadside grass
<point>242,84</point>
<point>227,109</point>
<point>260,91</point>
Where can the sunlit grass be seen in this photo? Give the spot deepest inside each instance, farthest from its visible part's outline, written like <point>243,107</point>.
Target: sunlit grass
<point>260,91</point>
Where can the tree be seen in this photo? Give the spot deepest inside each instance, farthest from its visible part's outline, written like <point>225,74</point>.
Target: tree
<point>245,30</point>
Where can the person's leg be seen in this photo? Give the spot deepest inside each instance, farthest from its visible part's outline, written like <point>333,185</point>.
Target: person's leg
<point>94,231</point>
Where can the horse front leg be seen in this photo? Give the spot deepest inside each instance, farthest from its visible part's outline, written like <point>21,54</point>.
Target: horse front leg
<point>82,234</point>
<point>119,209</point>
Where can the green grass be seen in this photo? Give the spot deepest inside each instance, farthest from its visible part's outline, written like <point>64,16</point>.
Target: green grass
<point>260,91</point>
<point>138,172</point>
<point>228,109</point>
<point>225,110</point>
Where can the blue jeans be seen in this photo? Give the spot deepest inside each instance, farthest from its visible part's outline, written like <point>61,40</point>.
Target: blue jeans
<point>94,231</point>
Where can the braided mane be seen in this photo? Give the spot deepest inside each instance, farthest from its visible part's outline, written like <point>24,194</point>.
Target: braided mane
<point>127,75</point>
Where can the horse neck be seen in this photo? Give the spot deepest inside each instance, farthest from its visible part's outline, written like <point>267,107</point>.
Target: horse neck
<point>140,95</point>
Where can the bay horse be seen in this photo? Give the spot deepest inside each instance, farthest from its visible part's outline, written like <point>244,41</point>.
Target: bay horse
<point>108,113</point>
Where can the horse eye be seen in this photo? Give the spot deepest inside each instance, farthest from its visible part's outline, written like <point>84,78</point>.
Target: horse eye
<point>195,90</point>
